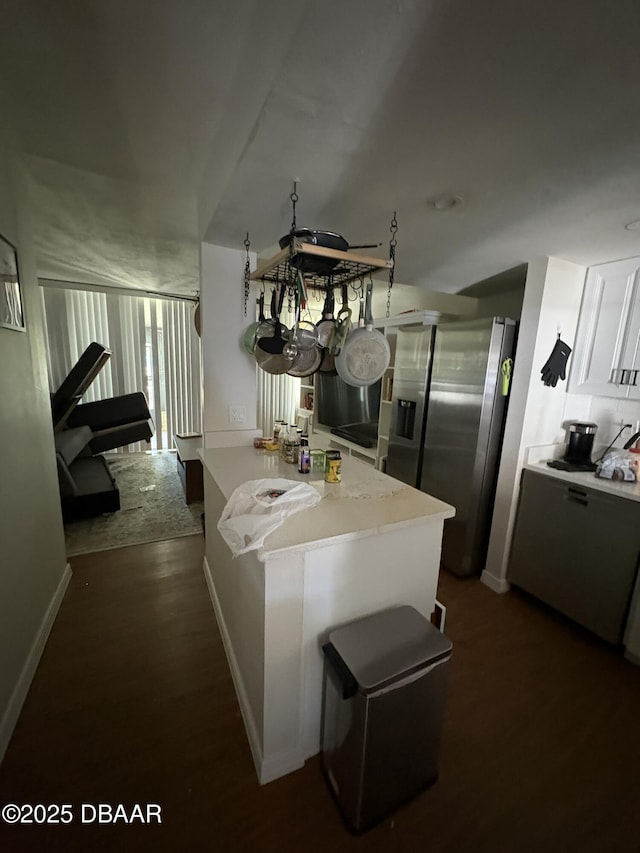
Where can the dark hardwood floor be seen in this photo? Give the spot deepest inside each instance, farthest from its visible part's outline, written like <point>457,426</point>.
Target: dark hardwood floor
<point>133,703</point>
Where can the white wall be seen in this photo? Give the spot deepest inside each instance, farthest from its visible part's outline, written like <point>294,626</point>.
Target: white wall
<point>505,304</point>
<point>229,373</point>
<point>553,293</point>
<point>33,562</point>
<point>405,297</point>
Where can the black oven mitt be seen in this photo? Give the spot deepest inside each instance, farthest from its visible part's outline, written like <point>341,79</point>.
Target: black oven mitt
<point>555,367</point>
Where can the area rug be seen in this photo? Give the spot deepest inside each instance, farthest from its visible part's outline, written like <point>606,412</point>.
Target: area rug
<point>152,506</point>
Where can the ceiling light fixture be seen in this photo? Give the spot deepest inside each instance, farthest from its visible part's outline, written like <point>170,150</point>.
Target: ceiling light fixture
<point>633,226</point>
<point>445,201</point>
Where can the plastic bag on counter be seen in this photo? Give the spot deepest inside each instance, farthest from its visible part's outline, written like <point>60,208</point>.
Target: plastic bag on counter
<point>259,506</point>
<point>619,465</point>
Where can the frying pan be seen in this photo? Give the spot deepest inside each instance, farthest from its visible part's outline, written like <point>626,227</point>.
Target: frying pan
<point>268,352</point>
<point>326,325</point>
<point>304,333</point>
<point>366,353</point>
<point>249,335</point>
<point>267,328</point>
<point>343,324</point>
<point>325,239</point>
<point>303,359</point>
<point>274,344</point>
<point>338,336</point>
<point>328,363</point>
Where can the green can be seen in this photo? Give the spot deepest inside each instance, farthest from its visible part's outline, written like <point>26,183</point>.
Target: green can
<point>317,460</point>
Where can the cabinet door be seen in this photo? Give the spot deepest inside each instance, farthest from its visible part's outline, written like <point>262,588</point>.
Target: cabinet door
<point>577,550</point>
<point>608,330</point>
<point>631,355</point>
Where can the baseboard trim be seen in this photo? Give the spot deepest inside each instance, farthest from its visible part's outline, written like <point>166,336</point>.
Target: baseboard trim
<point>12,713</point>
<point>245,708</point>
<point>279,765</point>
<point>496,584</point>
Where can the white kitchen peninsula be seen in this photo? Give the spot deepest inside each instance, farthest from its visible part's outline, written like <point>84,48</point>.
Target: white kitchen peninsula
<point>371,542</point>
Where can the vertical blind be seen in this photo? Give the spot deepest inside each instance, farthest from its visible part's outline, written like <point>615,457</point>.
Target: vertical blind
<point>278,399</point>
<point>154,349</point>
<point>278,394</point>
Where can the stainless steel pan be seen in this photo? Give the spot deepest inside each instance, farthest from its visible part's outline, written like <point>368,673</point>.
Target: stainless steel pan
<point>249,337</point>
<point>326,325</point>
<point>366,353</point>
<point>269,350</point>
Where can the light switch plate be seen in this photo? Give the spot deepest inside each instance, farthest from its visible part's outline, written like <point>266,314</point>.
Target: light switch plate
<point>237,414</point>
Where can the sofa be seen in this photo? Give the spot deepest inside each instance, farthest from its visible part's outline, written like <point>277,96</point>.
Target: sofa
<point>83,431</point>
<point>87,487</point>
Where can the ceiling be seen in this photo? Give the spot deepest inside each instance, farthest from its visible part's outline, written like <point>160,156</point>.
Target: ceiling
<point>149,125</point>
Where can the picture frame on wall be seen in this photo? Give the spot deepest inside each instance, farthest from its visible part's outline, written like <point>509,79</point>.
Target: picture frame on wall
<point>11,309</point>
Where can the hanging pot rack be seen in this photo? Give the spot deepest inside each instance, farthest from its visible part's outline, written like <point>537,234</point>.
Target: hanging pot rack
<point>346,267</point>
<point>351,266</point>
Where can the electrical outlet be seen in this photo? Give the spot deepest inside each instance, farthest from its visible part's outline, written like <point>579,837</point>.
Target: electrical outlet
<point>237,414</point>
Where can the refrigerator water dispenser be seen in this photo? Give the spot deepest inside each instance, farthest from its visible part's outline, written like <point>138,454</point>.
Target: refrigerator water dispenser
<point>405,418</point>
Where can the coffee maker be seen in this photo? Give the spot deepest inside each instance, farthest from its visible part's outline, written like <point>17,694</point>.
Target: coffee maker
<point>577,456</point>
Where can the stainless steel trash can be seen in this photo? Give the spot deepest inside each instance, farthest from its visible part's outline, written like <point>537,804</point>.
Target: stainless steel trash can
<point>384,694</point>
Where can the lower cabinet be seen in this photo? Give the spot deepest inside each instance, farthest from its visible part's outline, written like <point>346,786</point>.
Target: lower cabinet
<point>577,549</point>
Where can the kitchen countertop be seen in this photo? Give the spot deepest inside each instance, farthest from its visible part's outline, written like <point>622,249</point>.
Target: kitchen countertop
<point>370,543</point>
<point>366,502</point>
<point>631,491</point>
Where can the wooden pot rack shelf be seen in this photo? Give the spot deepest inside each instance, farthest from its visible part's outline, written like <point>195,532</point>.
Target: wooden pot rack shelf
<point>351,267</point>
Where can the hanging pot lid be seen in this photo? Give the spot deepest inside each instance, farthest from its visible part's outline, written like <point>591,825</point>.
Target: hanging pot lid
<point>306,362</point>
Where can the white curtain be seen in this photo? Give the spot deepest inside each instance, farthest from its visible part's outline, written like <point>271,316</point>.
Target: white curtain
<point>278,400</point>
<point>154,349</point>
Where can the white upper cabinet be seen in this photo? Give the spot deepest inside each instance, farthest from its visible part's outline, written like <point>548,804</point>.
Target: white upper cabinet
<point>606,357</point>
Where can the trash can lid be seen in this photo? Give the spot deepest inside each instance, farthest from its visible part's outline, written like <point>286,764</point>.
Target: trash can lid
<point>387,645</point>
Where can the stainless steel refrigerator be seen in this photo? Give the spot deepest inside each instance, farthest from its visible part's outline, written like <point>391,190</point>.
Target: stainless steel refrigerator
<point>448,410</point>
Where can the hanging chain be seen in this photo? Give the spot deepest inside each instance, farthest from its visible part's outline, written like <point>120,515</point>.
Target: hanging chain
<point>247,273</point>
<point>392,257</point>
<point>294,199</point>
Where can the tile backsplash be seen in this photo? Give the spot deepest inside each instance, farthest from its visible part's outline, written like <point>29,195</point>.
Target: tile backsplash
<point>609,414</point>
<point>577,407</point>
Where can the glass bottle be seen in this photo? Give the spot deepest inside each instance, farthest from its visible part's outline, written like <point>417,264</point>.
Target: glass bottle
<point>287,447</point>
<point>304,458</point>
<point>291,444</point>
<point>281,438</point>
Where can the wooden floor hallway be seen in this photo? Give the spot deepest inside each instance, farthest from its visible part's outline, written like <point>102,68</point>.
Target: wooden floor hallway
<point>133,703</point>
